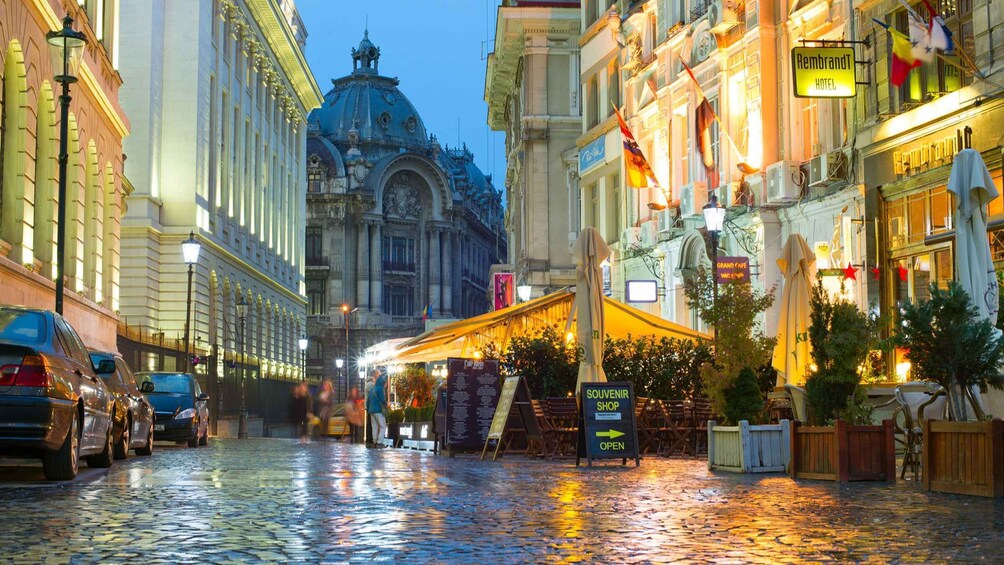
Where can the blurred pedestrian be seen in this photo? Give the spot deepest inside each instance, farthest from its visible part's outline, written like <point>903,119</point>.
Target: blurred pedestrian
<point>355,414</point>
<point>299,410</point>
<point>322,406</point>
<point>376,405</point>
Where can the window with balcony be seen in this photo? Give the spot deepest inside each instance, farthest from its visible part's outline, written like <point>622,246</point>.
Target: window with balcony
<point>398,254</point>
<point>314,246</point>
<point>316,297</point>
<point>398,300</point>
<point>313,180</point>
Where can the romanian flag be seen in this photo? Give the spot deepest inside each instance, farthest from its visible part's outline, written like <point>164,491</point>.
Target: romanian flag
<point>427,312</point>
<point>639,173</point>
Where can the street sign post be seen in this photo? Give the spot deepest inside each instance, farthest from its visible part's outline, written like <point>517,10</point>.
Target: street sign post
<point>607,426</point>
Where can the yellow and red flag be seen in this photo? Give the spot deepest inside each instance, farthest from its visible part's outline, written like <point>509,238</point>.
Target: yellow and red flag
<point>639,173</point>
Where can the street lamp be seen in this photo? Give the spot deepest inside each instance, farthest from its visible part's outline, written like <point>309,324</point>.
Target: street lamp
<point>66,48</point>
<point>190,250</point>
<point>302,342</point>
<point>242,422</point>
<point>714,219</point>
<point>339,363</point>
<point>524,291</point>
<point>345,313</point>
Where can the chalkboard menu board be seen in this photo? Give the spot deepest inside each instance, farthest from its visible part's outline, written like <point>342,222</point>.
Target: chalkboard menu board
<point>472,392</point>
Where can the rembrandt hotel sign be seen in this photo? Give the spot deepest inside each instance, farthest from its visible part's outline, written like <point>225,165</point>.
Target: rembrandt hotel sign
<point>823,72</point>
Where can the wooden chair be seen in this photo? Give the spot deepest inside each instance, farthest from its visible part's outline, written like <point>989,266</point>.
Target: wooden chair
<point>648,419</point>
<point>677,435</point>
<point>799,402</point>
<point>547,432</point>
<point>564,414</point>
<point>701,413</point>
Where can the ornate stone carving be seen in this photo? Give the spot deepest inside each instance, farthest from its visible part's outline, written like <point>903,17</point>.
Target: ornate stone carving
<point>402,201</point>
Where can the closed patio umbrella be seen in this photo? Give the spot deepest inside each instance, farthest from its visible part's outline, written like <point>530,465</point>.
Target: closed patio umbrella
<point>791,354</point>
<point>589,251</point>
<point>973,187</point>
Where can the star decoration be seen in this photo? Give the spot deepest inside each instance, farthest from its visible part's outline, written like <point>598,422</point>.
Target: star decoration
<point>903,273</point>
<point>875,272</point>
<point>849,272</point>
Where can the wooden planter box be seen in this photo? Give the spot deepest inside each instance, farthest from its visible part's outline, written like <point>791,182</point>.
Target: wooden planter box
<point>964,457</point>
<point>749,449</point>
<point>843,453</point>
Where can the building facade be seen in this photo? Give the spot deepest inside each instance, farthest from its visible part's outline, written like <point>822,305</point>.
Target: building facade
<point>399,229</point>
<point>223,90</point>
<point>29,143</point>
<point>861,178</point>
<point>530,88</point>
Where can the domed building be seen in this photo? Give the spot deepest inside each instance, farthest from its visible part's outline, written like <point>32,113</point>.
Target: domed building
<point>396,224</point>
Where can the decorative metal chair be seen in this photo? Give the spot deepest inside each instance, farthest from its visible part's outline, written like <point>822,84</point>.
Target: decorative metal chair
<point>915,403</point>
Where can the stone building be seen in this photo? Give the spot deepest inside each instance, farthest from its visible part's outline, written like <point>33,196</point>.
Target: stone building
<point>531,91</point>
<point>223,90</point>
<point>29,143</point>
<point>396,224</point>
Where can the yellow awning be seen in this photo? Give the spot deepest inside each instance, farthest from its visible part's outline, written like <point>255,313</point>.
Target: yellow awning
<point>464,337</point>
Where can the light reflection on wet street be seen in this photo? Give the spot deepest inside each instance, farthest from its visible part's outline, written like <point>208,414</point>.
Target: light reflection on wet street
<point>276,500</point>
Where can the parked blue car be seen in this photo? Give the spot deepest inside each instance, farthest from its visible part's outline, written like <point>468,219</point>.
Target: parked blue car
<point>181,408</point>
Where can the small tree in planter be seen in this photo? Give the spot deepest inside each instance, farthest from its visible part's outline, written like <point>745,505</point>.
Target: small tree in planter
<point>841,336</point>
<point>741,343</point>
<point>948,344</point>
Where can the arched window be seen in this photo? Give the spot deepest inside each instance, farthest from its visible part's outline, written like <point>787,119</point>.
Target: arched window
<point>73,253</point>
<point>16,228</point>
<point>110,238</point>
<point>93,203</point>
<point>46,179</point>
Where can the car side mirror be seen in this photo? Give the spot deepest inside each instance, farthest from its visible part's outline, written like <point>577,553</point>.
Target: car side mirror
<point>203,397</point>
<point>105,367</point>
<point>146,386</point>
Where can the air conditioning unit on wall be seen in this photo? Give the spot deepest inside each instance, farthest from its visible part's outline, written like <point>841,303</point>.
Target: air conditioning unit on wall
<point>631,237</point>
<point>783,182</point>
<point>827,169</point>
<point>649,234</point>
<point>693,197</point>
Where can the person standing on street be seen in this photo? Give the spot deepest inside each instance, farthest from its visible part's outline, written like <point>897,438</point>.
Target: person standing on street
<point>299,410</point>
<point>322,406</point>
<point>355,414</point>
<point>376,405</point>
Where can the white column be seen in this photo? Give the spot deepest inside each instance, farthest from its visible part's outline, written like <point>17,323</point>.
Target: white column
<point>362,274</point>
<point>376,269</point>
<point>434,294</point>
<point>448,273</point>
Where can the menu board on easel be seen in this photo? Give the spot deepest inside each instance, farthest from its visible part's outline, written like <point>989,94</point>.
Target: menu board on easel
<point>472,393</point>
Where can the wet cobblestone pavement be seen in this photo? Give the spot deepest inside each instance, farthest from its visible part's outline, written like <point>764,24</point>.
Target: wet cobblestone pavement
<point>275,500</point>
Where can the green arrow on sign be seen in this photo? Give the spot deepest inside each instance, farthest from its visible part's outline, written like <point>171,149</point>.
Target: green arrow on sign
<point>610,434</point>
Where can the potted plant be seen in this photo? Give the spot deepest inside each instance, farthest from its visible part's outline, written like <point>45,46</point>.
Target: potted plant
<point>840,443</point>
<point>949,344</point>
<point>731,382</point>
<point>394,419</point>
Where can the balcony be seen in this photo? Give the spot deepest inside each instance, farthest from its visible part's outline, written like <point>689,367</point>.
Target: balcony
<point>317,263</point>
<point>395,267</point>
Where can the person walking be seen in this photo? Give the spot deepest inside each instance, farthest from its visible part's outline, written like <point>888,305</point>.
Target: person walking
<point>376,405</point>
<point>299,410</point>
<point>322,406</point>
<point>355,415</point>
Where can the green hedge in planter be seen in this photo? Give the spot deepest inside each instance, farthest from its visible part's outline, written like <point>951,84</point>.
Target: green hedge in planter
<point>395,416</point>
<point>423,414</point>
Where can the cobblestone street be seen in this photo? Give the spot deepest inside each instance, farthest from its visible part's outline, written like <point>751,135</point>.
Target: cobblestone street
<point>276,500</point>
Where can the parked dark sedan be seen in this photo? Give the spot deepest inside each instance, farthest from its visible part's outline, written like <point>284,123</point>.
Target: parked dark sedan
<point>182,409</point>
<point>52,403</point>
<point>133,414</point>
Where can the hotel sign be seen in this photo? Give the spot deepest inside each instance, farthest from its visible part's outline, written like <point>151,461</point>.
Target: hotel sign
<point>823,72</point>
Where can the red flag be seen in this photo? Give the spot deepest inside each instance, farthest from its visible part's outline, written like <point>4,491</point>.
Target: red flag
<point>705,116</point>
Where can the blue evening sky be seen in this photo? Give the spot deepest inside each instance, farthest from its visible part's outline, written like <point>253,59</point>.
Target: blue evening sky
<point>436,48</point>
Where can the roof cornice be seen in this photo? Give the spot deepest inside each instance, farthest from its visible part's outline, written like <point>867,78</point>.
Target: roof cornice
<point>287,51</point>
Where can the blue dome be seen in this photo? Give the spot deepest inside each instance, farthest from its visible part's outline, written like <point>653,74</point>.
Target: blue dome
<point>371,104</point>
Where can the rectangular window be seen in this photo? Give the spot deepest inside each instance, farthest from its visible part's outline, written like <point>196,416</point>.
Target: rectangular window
<point>613,87</point>
<point>398,254</point>
<point>314,180</point>
<point>931,80</point>
<point>316,297</point>
<point>399,300</point>
<point>592,102</point>
<point>314,246</point>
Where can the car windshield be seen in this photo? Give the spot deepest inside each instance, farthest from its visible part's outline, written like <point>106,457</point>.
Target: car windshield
<point>169,383</point>
<point>19,326</point>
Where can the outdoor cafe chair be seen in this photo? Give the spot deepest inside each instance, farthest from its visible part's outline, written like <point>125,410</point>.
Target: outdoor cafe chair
<point>563,412</point>
<point>648,423</point>
<point>799,402</point>
<point>548,435</point>
<point>677,435</point>
<point>915,403</point>
<point>701,413</point>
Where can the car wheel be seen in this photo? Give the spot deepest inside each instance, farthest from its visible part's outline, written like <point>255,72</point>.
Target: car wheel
<point>104,459</point>
<point>122,447</point>
<point>148,448</point>
<point>204,440</point>
<point>61,465</point>
<point>194,442</point>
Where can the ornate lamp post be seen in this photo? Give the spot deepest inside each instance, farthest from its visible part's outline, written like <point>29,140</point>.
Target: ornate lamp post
<point>242,422</point>
<point>303,343</point>
<point>345,313</point>
<point>339,363</point>
<point>524,291</point>
<point>66,47</point>
<point>714,219</point>
<point>190,250</point>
